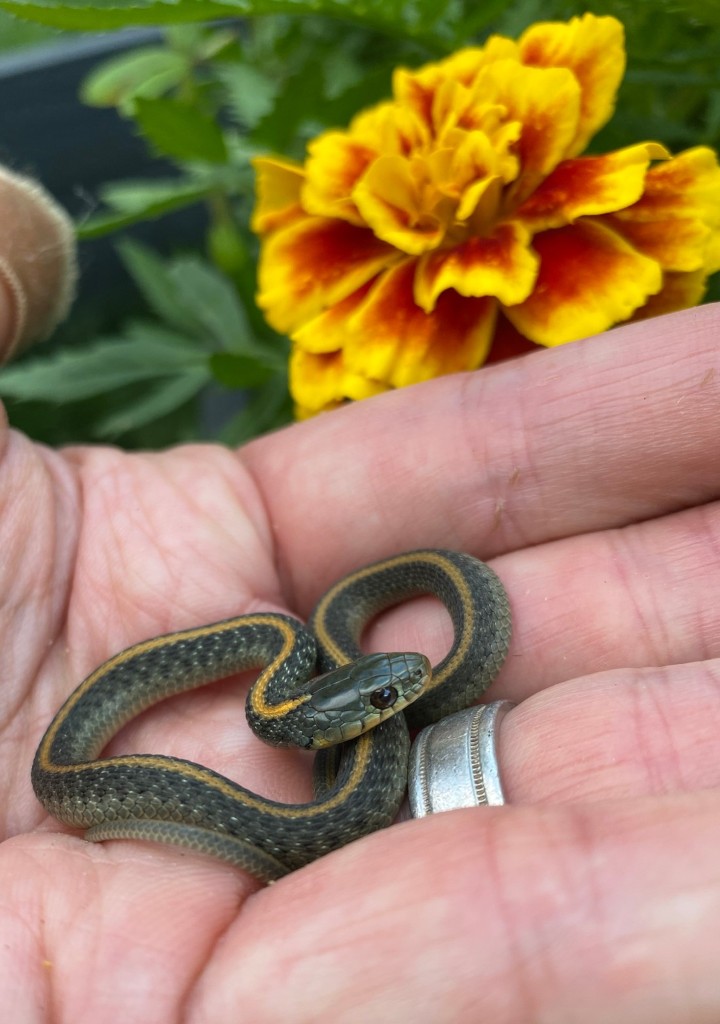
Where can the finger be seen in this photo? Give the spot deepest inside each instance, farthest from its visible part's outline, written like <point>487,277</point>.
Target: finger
<point>593,435</point>
<point>600,913</point>
<point>618,734</point>
<point>145,918</point>
<point>641,596</point>
<point>38,265</point>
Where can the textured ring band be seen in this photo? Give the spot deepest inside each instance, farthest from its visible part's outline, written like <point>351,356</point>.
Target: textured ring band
<point>454,762</point>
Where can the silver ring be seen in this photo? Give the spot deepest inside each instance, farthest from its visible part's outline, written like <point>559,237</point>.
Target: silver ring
<point>454,763</point>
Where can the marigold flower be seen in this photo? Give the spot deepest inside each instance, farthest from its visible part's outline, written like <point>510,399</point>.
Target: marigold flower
<point>461,209</point>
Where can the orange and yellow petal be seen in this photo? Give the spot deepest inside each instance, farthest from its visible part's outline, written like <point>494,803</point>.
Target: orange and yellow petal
<point>320,382</point>
<point>388,128</point>
<point>545,103</point>
<point>593,48</point>
<point>677,219</point>
<point>335,163</point>
<point>688,185</point>
<point>391,197</point>
<point>501,266</point>
<point>679,291</point>
<point>468,165</point>
<point>590,185</point>
<point>679,245</point>
<point>589,279</point>
<point>391,339</point>
<point>464,65</point>
<point>277,186</point>
<point>313,264</point>
<point>685,187</point>
<point>328,331</point>
<point>424,91</point>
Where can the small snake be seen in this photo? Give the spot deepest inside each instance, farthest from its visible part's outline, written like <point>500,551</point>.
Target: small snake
<point>359,785</point>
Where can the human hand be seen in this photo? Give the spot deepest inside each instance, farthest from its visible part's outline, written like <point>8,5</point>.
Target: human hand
<point>588,476</point>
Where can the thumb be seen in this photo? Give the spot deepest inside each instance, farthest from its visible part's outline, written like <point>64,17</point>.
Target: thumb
<point>38,266</point>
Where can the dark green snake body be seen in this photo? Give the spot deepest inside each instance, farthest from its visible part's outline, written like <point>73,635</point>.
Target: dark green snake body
<point>354,702</point>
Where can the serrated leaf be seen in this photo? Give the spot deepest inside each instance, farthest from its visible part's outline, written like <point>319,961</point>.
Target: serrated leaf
<point>191,295</point>
<point>179,130</point>
<point>107,364</point>
<point>148,72</point>
<point>152,333</point>
<point>141,201</point>
<point>250,93</point>
<point>93,15</point>
<point>168,395</point>
<point>214,304</point>
<point>436,18</point>
<point>152,276</point>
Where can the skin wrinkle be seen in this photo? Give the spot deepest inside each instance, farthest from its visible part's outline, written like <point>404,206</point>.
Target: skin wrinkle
<point>317,975</point>
<point>525,1001</point>
<point>115,601</point>
<point>641,602</point>
<point>498,469</point>
<point>36,977</point>
<point>34,600</point>
<point>422,457</point>
<point>154,1003</point>
<point>580,900</point>
<point>251,504</point>
<point>271,541</point>
<point>659,738</point>
<point>676,568</point>
<point>195,979</point>
<point>151,588</point>
<point>709,540</point>
<point>590,901</point>
<point>547,621</point>
<point>26,588</point>
<point>600,859</point>
<point>603,756</point>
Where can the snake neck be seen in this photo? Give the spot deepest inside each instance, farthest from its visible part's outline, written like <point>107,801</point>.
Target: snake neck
<point>470,591</point>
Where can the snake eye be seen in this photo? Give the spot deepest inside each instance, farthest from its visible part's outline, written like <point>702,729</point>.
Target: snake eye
<point>384,698</point>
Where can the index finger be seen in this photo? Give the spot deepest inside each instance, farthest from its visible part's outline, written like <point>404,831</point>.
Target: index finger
<point>594,435</point>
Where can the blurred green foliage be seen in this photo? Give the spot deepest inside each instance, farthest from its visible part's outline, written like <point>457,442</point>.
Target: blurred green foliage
<point>214,94</point>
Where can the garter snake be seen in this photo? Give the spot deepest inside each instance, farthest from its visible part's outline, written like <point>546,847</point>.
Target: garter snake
<point>359,784</point>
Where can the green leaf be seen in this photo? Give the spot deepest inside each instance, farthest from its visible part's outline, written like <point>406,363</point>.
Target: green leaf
<point>433,18</point>
<point>179,130</point>
<point>107,364</point>
<point>159,401</point>
<point>152,276</point>
<point>198,300</point>
<point>214,306</point>
<point>238,372</point>
<point>341,71</point>
<point>147,72</point>
<point>250,93</point>
<point>139,201</point>
<point>92,15</point>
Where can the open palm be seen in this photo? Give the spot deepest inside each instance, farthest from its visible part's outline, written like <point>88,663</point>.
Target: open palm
<point>589,477</point>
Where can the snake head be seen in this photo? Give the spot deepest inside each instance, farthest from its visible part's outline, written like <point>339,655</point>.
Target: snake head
<point>354,698</point>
